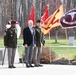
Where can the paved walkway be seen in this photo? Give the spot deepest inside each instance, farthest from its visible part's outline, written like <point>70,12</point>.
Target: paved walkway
<point>47,69</point>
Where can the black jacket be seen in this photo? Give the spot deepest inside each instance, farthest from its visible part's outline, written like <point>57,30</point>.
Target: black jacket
<point>27,36</point>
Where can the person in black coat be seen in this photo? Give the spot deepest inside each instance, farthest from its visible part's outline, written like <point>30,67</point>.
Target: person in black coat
<point>10,42</point>
<point>28,42</point>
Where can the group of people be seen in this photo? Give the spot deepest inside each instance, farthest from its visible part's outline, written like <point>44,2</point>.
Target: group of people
<point>32,39</point>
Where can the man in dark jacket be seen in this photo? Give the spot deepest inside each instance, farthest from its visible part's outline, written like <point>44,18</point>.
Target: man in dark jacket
<point>28,39</point>
<point>10,42</point>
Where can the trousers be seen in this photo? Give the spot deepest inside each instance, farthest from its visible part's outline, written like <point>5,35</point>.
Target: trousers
<point>11,56</point>
<point>28,54</point>
<point>37,54</point>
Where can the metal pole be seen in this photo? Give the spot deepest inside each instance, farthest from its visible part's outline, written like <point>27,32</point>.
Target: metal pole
<point>3,56</point>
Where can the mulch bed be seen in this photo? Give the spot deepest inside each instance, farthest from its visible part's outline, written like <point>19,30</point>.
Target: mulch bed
<point>62,62</point>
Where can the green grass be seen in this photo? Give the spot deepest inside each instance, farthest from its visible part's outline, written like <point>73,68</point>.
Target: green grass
<point>60,42</point>
<point>60,48</point>
<point>1,42</point>
<point>64,52</point>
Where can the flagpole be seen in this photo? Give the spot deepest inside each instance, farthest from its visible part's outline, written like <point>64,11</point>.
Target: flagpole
<point>50,47</point>
<point>67,46</point>
<point>49,38</point>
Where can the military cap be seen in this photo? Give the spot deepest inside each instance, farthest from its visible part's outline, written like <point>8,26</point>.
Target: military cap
<point>13,22</point>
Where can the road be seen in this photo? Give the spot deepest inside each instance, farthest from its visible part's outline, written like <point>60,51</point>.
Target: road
<point>47,69</point>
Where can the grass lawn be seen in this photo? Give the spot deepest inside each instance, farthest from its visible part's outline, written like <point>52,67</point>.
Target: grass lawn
<point>60,48</point>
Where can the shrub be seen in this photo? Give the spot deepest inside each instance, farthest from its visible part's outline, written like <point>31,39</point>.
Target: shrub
<point>47,55</point>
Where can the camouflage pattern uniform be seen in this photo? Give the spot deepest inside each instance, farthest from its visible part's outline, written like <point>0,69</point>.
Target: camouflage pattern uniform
<point>10,41</point>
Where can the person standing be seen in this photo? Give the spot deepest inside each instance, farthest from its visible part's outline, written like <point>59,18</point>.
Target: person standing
<point>37,49</point>
<point>28,42</point>
<point>10,42</point>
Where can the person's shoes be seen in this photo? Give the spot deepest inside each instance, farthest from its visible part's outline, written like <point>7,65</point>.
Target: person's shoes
<point>13,67</point>
<point>36,65</point>
<point>31,66</point>
<point>40,65</point>
<point>27,66</point>
<point>10,67</point>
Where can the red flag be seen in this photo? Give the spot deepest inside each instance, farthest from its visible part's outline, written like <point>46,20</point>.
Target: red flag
<point>31,17</point>
<point>53,21</point>
<point>46,14</point>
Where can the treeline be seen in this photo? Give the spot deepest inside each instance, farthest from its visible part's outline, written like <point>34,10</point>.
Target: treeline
<point>20,10</point>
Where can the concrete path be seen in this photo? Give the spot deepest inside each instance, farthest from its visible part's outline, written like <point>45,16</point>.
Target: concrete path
<point>47,69</point>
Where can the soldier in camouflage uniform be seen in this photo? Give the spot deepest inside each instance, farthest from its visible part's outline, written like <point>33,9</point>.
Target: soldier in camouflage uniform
<point>37,49</point>
<point>10,42</point>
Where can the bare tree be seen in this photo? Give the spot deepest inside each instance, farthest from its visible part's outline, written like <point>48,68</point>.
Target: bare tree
<point>20,9</point>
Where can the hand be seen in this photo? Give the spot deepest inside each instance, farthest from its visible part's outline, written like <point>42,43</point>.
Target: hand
<point>34,45</point>
<point>6,46</point>
<point>26,45</point>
